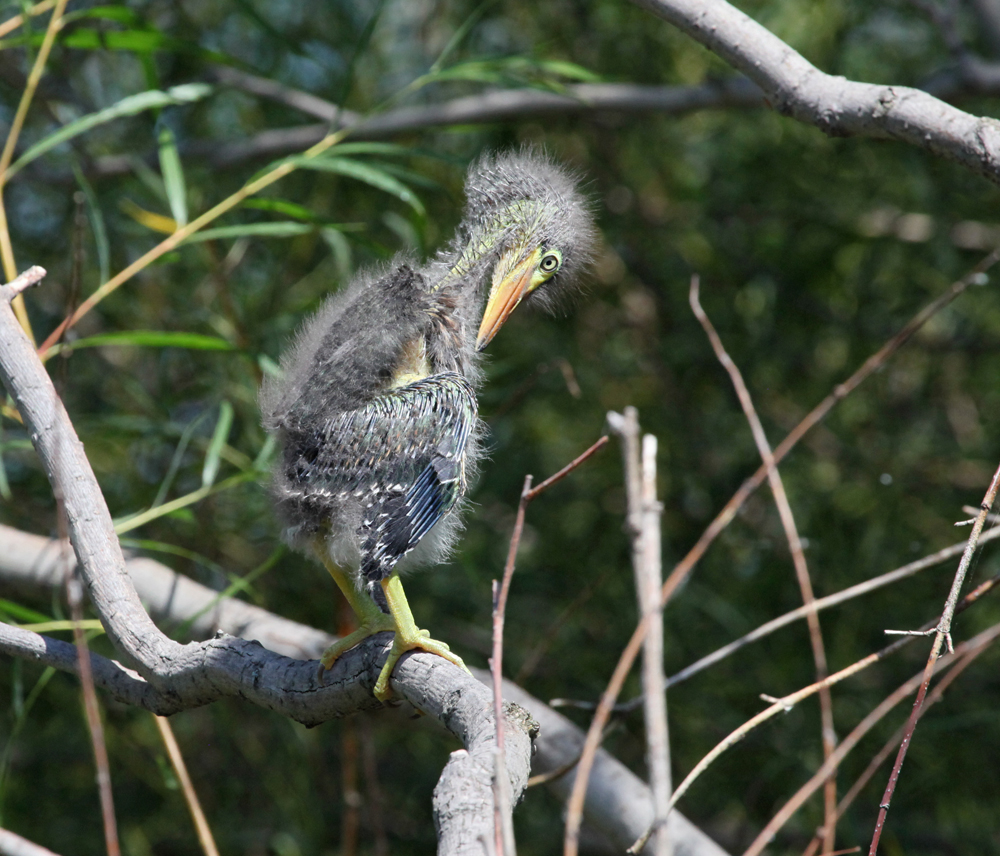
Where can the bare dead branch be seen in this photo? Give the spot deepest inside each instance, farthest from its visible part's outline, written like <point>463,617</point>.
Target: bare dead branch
<point>942,637</point>
<point>962,657</point>
<point>822,603</point>
<point>838,107</point>
<point>828,735</point>
<point>31,277</point>
<point>14,845</point>
<point>170,676</point>
<point>618,803</point>
<point>643,526</point>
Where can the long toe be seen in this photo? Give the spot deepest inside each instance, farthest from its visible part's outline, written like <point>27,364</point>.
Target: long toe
<point>420,641</point>
<point>378,623</point>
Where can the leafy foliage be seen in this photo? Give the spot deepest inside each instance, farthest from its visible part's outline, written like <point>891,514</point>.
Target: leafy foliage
<point>812,252</point>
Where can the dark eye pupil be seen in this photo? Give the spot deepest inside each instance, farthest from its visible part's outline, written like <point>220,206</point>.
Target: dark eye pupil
<point>549,263</point>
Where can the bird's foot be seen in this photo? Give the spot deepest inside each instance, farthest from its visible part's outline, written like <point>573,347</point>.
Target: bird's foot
<point>374,621</point>
<point>410,641</point>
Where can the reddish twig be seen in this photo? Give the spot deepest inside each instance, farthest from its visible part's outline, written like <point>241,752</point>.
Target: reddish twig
<point>74,591</point>
<point>505,836</point>
<point>862,588</point>
<point>942,636</point>
<point>827,733</point>
<point>728,512</point>
<point>965,653</point>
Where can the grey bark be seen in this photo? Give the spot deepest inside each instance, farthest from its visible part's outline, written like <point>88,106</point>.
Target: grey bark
<point>168,676</point>
<point>619,803</point>
<point>837,106</point>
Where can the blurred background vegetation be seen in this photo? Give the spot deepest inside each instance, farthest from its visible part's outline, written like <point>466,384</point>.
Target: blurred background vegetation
<point>812,252</point>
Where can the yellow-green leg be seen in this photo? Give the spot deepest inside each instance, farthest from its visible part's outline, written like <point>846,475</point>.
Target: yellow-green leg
<point>408,636</point>
<point>371,619</point>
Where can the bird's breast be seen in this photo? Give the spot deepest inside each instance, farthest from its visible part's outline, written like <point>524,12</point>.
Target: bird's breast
<point>413,364</point>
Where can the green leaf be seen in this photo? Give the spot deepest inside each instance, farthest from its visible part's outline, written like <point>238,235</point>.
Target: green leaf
<point>154,339</point>
<point>120,14</point>
<point>371,175</point>
<point>280,229</point>
<point>173,174</point>
<point>22,613</point>
<point>129,106</point>
<point>219,437</point>
<point>286,207</point>
<point>96,224</point>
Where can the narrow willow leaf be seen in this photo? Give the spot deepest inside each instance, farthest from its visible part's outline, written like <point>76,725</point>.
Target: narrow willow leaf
<point>219,437</point>
<point>129,106</point>
<point>154,339</point>
<point>150,219</point>
<point>22,613</point>
<point>173,174</point>
<point>97,226</point>
<point>371,175</point>
<point>281,229</point>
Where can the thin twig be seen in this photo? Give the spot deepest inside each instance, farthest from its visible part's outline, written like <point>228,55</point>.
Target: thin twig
<point>943,636</point>
<point>967,651</point>
<point>190,795</point>
<point>22,282</point>
<point>501,807</point>
<point>882,755</point>
<point>822,603</point>
<point>74,591</point>
<point>728,512</point>
<point>12,24</point>
<point>819,412</point>
<point>35,75</point>
<point>565,471</point>
<point>505,834</point>
<point>828,735</point>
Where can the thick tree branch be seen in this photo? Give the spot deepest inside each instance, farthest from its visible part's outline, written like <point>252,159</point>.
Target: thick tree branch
<point>839,107</point>
<point>170,676</point>
<point>619,804</point>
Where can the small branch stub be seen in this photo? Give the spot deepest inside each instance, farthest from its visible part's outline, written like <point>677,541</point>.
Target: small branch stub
<point>31,277</point>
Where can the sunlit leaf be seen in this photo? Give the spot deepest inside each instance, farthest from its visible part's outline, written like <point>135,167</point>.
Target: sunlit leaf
<point>153,339</point>
<point>219,437</point>
<point>367,173</point>
<point>129,106</point>
<point>96,218</point>
<point>150,219</point>
<point>173,174</point>
<point>280,229</point>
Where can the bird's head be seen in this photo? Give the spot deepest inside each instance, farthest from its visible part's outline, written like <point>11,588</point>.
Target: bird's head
<point>526,216</point>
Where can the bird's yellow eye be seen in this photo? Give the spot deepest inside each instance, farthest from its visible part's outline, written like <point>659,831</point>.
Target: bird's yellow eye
<point>550,263</point>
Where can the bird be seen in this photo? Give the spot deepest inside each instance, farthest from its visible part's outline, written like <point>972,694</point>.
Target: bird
<point>375,411</point>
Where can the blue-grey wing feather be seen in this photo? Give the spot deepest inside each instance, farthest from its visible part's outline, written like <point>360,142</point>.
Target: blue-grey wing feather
<point>399,460</point>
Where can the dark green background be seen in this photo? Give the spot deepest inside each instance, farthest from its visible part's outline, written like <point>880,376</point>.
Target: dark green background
<point>774,216</point>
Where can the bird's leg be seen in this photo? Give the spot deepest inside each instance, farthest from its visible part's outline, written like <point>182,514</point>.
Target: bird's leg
<point>371,619</point>
<point>408,636</point>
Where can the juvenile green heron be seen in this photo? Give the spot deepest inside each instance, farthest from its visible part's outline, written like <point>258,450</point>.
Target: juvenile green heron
<point>376,410</point>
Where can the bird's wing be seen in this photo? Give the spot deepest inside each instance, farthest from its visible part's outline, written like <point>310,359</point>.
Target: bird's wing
<point>400,458</point>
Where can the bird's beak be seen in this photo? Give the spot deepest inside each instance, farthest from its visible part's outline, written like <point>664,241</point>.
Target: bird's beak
<point>509,289</point>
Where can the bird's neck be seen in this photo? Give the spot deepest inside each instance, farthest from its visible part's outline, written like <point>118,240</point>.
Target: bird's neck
<point>478,247</point>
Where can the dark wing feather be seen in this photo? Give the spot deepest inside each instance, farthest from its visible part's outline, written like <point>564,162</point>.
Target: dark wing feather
<point>400,459</point>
